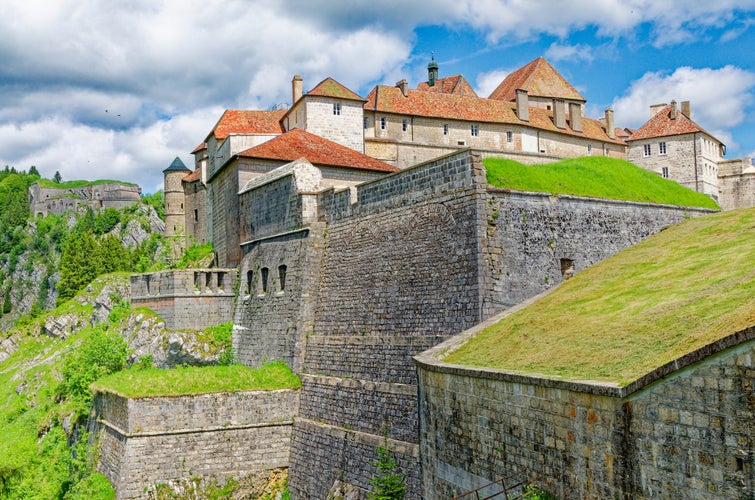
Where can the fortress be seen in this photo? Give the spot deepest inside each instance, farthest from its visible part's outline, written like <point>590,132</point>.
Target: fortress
<point>351,263</point>
<point>96,195</point>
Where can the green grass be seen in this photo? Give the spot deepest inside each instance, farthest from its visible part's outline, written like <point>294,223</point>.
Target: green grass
<point>47,183</point>
<point>197,380</point>
<point>670,295</point>
<point>593,176</point>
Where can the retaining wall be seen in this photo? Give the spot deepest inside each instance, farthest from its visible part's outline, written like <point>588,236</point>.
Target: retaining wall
<point>149,441</point>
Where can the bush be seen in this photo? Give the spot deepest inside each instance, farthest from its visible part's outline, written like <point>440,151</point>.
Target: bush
<point>388,483</point>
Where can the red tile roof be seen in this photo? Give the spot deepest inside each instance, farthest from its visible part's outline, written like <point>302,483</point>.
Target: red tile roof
<point>331,88</point>
<point>474,109</point>
<point>456,84</point>
<point>539,79</point>
<point>199,148</point>
<point>237,121</point>
<point>661,125</point>
<point>194,176</point>
<point>297,143</point>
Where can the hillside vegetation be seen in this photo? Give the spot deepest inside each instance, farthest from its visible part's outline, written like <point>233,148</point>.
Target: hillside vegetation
<point>593,176</point>
<point>670,295</point>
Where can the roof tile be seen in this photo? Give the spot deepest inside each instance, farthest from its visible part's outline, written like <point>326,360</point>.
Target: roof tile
<point>236,121</point>
<point>456,84</point>
<point>661,125</point>
<point>331,88</point>
<point>539,79</point>
<point>298,143</point>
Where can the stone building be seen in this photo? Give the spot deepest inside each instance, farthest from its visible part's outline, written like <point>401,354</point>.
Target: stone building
<point>672,145</point>
<point>736,183</point>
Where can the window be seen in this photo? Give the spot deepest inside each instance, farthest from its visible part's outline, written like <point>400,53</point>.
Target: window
<point>382,123</point>
<point>509,136</point>
<point>364,121</point>
<point>336,108</point>
<point>196,215</point>
<point>445,129</point>
<point>249,276</point>
<point>264,272</point>
<point>646,149</point>
<point>404,124</point>
<point>661,148</point>
<point>664,172</point>
<point>475,130</point>
<point>589,150</point>
<point>282,276</point>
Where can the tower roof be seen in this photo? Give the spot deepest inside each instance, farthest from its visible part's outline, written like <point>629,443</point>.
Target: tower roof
<point>177,166</point>
<point>539,79</point>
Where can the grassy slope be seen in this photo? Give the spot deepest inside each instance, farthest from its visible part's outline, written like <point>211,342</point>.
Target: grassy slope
<point>667,296</point>
<point>196,380</point>
<point>593,176</point>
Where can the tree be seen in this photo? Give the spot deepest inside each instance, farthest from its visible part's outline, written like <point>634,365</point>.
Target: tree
<point>79,265</point>
<point>57,178</point>
<point>33,171</point>
<point>388,483</point>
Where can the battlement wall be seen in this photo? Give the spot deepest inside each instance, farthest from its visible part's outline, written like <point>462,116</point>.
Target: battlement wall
<point>147,441</point>
<point>187,299</point>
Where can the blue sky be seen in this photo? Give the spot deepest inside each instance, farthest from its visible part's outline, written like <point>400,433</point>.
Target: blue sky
<point>97,89</point>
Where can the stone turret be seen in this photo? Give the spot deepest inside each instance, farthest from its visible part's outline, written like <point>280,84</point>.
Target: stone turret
<point>174,198</point>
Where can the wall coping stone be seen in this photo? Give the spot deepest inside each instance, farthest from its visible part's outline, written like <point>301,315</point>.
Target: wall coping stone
<point>396,446</point>
<point>215,428</point>
<point>588,199</point>
<point>431,360</point>
<point>354,383</point>
<point>274,236</point>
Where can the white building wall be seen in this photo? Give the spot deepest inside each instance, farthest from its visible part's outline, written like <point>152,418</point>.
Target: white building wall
<point>345,128</point>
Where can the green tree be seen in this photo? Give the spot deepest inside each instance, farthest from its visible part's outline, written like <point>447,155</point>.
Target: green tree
<point>113,255</point>
<point>33,171</point>
<point>388,483</point>
<point>57,178</point>
<point>80,263</point>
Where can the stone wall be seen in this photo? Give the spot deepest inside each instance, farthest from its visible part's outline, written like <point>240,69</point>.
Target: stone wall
<point>195,221</point>
<point>156,440</point>
<point>683,430</point>
<point>43,201</point>
<point>534,239</point>
<point>736,182</point>
<point>187,299</point>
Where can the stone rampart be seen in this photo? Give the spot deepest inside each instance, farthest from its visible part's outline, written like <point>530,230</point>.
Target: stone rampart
<point>43,201</point>
<point>144,442</point>
<point>534,240</point>
<point>684,429</point>
<point>187,299</point>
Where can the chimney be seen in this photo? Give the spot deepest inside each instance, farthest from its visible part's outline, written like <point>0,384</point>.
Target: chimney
<point>296,89</point>
<point>559,113</point>
<point>655,108</point>
<point>522,105</point>
<point>575,116</point>
<point>686,111</point>
<point>610,130</point>
<point>672,112</point>
<point>404,86</point>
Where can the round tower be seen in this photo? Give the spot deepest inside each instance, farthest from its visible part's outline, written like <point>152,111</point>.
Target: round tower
<point>175,216</point>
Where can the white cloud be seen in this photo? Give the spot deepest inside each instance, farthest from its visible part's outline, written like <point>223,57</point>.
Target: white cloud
<point>578,52</point>
<point>488,81</point>
<point>719,97</point>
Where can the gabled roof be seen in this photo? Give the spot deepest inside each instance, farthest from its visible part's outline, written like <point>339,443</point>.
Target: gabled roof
<point>237,121</point>
<point>298,143</point>
<point>661,125</point>
<point>199,148</point>
<point>539,79</point>
<point>456,84</point>
<point>177,166</point>
<point>474,109</point>
<point>331,88</point>
<point>194,176</point>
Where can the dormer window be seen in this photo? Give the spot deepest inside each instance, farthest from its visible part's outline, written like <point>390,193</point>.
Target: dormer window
<point>336,108</point>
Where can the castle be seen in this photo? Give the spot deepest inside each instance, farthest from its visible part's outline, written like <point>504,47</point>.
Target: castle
<point>363,233</point>
<point>96,195</point>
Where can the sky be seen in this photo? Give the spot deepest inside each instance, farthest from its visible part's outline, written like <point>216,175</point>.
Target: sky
<point>117,90</point>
